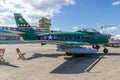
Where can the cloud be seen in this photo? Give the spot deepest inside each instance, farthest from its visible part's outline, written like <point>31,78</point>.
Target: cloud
<point>82,25</point>
<point>32,10</point>
<point>116,3</point>
<point>55,29</point>
<point>75,28</point>
<point>112,28</point>
<point>107,28</point>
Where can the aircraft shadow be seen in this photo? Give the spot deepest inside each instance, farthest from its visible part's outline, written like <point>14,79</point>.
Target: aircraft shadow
<point>75,65</point>
<point>8,64</point>
<point>38,55</point>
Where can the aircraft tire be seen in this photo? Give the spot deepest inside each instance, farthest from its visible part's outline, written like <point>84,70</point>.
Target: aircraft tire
<point>105,50</point>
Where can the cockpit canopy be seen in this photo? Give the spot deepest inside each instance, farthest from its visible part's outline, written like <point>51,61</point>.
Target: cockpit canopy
<point>87,30</point>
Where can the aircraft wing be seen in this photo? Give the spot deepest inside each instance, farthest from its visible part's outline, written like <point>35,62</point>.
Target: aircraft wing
<point>74,43</point>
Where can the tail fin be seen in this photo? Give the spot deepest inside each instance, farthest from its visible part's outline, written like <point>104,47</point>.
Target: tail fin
<point>23,26</point>
<point>21,23</point>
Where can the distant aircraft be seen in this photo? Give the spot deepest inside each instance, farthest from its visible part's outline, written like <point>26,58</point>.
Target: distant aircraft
<point>69,42</point>
<point>114,41</point>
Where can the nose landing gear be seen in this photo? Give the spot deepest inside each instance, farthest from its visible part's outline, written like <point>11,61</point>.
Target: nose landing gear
<point>105,50</point>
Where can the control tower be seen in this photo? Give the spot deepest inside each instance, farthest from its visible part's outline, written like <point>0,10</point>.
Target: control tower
<point>44,24</point>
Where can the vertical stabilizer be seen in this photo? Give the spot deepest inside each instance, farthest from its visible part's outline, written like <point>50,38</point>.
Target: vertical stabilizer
<point>21,23</point>
<point>24,26</point>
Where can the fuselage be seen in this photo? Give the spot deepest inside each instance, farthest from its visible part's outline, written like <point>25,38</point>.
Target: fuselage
<point>79,36</point>
<point>71,42</point>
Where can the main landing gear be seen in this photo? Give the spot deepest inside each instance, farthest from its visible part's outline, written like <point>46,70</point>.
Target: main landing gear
<point>105,50</point>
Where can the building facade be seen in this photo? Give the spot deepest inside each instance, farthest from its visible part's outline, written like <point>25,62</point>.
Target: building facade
<point>5,35</point>
<point>9,36</point>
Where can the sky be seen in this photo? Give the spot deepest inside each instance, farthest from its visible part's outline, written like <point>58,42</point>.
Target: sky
<point>65,15</point>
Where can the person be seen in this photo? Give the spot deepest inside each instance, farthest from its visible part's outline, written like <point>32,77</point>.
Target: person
<point>96,47</point>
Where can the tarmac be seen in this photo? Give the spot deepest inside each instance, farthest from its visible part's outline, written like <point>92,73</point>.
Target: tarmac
<point>44,63</point>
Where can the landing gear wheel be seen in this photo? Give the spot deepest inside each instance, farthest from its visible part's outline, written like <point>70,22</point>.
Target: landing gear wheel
<point>105,50</point>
